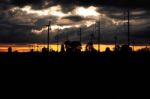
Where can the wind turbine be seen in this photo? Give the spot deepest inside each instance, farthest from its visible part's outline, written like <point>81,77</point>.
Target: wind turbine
<point>115,40</point>
<point>57,39</point>
<point>98,29</point>
<point>48,35</point>
<point>128,11</point>
<point>127,17</point>
<point>80,34</point>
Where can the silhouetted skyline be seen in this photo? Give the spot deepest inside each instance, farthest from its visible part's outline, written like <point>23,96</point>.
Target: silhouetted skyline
<point>110,70</point>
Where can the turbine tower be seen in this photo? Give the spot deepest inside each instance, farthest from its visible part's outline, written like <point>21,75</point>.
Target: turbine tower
<point>128,12</point>
<point>80,34</point>
<point>57,41</point>
<point>127,18</point>
<point>98,26</point>
<point>115,41</point>
<point>48,35</point>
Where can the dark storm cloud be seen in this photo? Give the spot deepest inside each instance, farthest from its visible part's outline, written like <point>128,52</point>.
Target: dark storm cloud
<point>74,18</point>
<point>19,34</point>
<point>35,4</point>
<point>25,2</point>
<point>139,33</point>
<point>77,18</point>
<point>16,27</point>
<point>69,4</point>
<point>15,33</point>
<point>119,3</point>
<point>109,7</point>
<point>143,34</point>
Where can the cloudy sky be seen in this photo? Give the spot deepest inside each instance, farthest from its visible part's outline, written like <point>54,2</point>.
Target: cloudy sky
<point>23,21</point>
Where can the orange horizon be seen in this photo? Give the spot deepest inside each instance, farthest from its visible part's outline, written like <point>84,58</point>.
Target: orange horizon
<point>38,47</point>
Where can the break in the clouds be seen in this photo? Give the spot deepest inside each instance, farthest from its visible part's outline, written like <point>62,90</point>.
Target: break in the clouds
<point>23,21</point>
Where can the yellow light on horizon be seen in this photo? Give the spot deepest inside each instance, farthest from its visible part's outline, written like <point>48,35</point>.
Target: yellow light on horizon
<point>55,47</point>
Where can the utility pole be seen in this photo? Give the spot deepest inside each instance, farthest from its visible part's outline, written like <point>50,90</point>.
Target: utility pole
<point>115,41</point>
<point>128,11</point>
<point>99,34</point>
<point>127,17</point>
<point>57,41</point>
<point>133,45</point>
<point>80,35</point>
<point>91,38</point>
<point>48,35</point>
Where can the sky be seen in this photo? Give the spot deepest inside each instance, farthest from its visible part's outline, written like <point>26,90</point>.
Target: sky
<point>24,21</point>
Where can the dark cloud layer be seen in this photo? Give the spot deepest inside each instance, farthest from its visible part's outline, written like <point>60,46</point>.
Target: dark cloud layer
<point>133,3</point>
<point>70,3</point>
<point>17,26</point>
<point>74,18</point>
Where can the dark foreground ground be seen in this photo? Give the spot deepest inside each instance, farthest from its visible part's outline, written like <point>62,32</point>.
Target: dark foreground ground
<point>77,75</point>
<point>83,59</point>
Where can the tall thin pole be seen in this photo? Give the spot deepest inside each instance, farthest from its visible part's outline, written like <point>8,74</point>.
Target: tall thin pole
<point>57,43</point>
<point>128,27</point>
<point>48,34</point>
<point>133,45</point>
<point>48,39</point>
<point>80,35</point>
<point>115,41</point>
<point>99,34</point>
<point>91,37</point>
<point>125,23</point>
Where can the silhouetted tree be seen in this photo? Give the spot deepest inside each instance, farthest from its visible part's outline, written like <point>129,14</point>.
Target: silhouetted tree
<point>74,46</point>
<point>117,48</point>
<point>107,50</point>
<point>9,49</point>
<point>31,50</point>
<point>125,49</point>
<point>62,48</point>
<point>89,47</point>
<point>68,46</point>
<point>44,50</point>
<point>146,49</point>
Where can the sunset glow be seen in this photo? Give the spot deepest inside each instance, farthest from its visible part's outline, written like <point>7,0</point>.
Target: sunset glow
<point>55,47</point>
